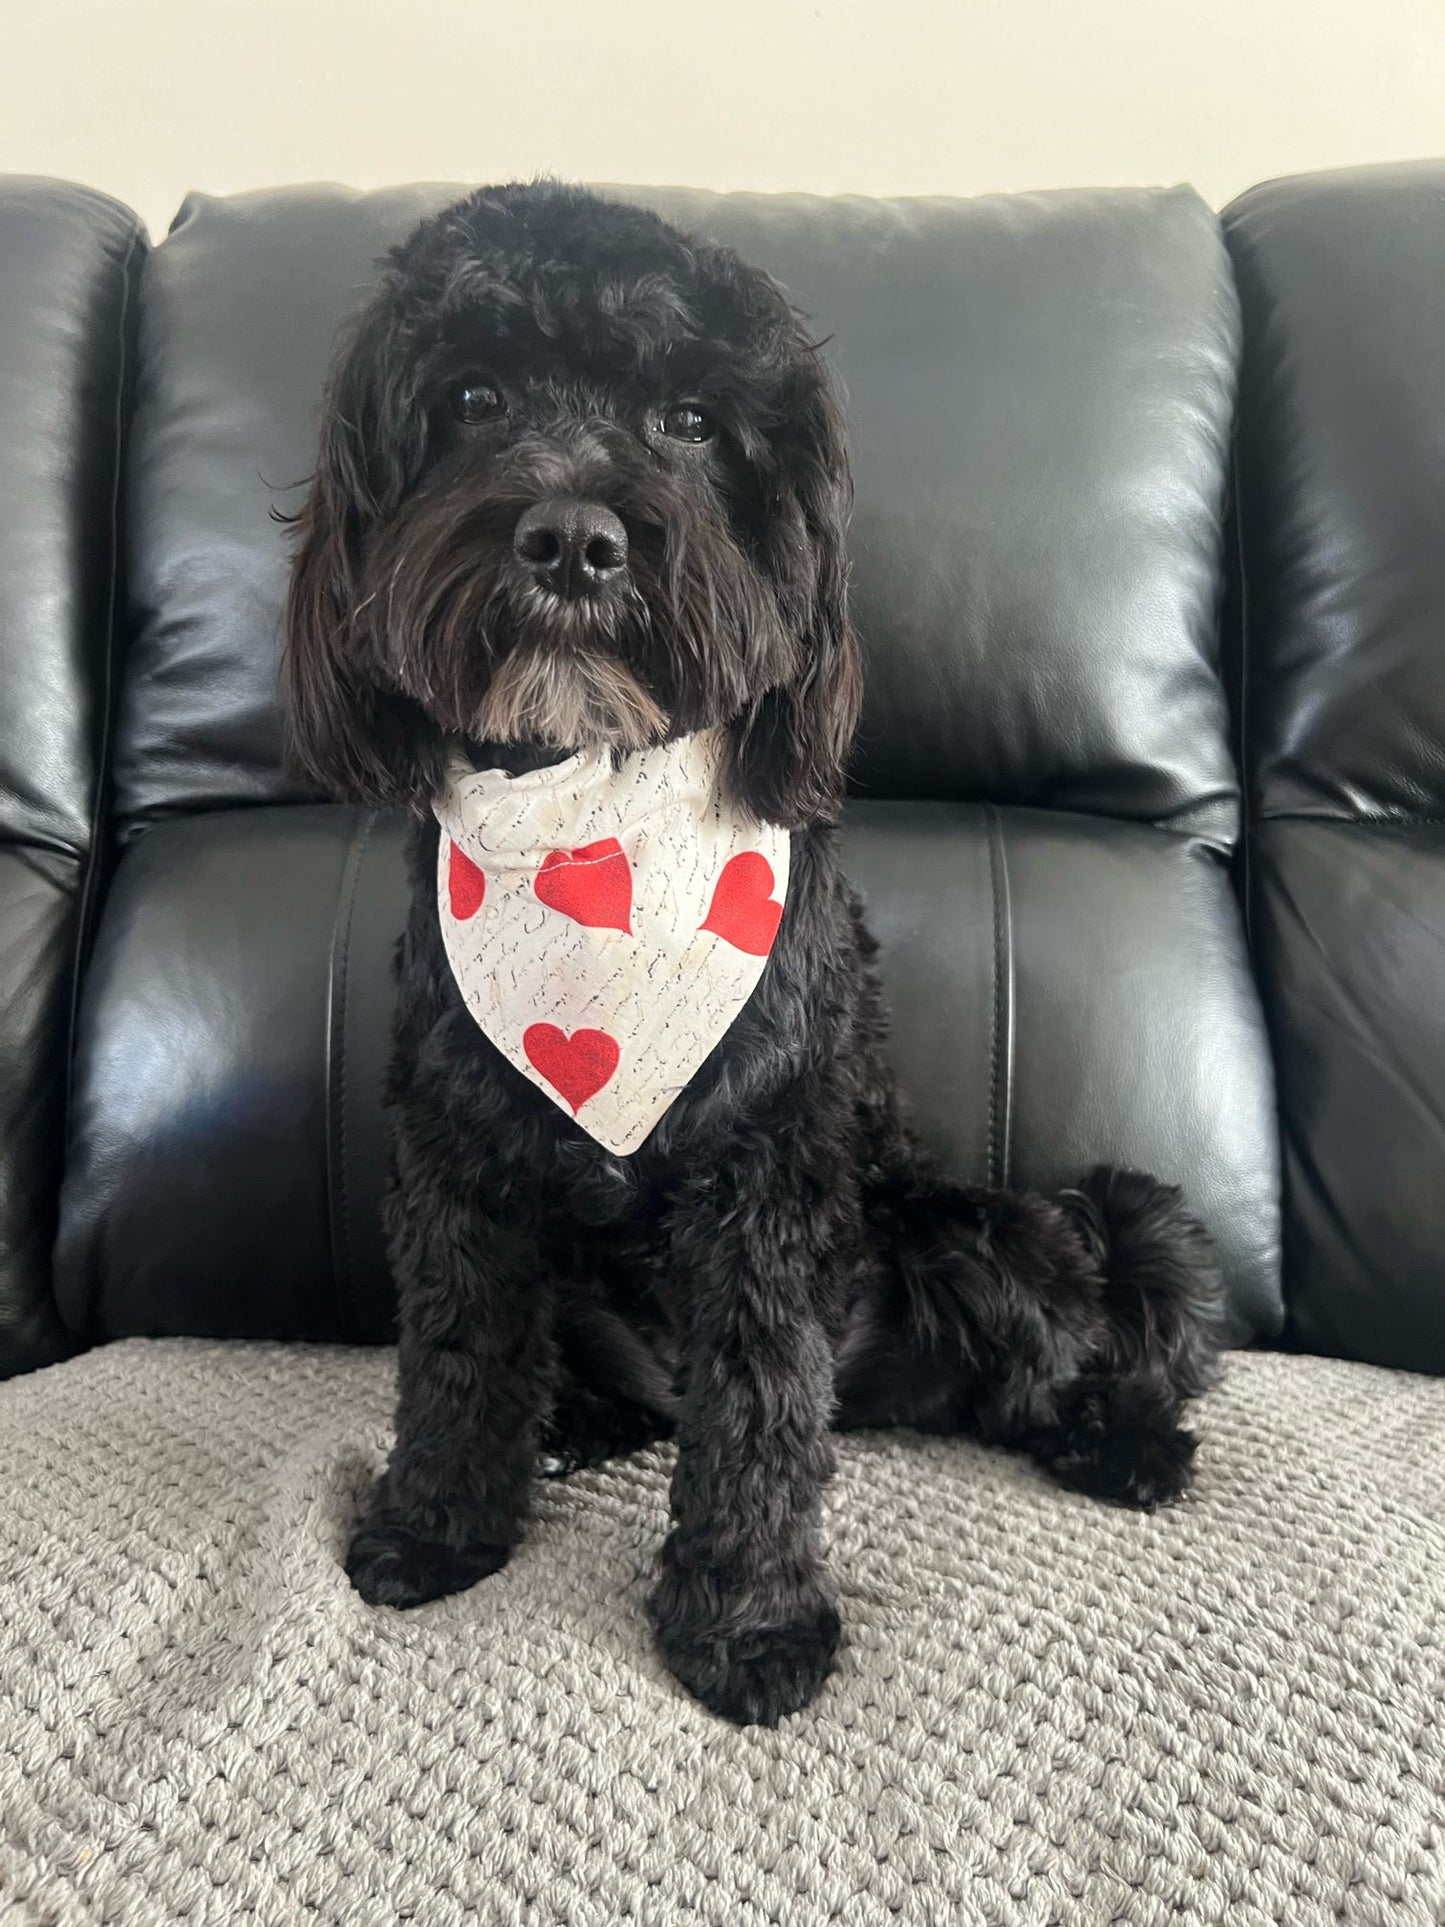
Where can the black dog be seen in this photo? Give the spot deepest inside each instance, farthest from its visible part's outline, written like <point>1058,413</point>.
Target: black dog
<point>583,481</point>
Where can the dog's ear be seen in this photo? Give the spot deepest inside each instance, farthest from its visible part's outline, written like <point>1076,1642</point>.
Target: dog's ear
<point>346,731</point>
<point>790,747</point>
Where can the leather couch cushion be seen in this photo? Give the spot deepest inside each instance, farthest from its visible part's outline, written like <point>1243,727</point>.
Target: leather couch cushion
<point>227,1155</point>
<point>68,261</point>
<point>1342,518</point>
<point>1342,430</point>
<point>1041,387</point>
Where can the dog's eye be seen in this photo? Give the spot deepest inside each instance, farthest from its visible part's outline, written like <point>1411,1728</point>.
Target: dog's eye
<point>476,400</point>
<point>686,422</point>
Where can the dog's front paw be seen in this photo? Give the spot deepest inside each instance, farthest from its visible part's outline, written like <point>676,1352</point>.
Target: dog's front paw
<point>390,1565</point>
<point>755,1678</point>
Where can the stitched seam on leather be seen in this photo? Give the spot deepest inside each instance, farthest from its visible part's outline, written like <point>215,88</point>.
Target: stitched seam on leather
<point>92,858</point>
<point>337,1198</point>
<point>1246,785</point>
<point>1354,820</point>
<point>993,1001</point>
<point>1001,1071</point>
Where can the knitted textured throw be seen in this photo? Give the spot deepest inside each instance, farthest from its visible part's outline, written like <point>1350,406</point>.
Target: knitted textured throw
<point>1047,1712</point>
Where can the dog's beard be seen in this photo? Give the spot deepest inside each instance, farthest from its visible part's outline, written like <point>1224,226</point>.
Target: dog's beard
<point>504,660</point>
<point>569,695</point>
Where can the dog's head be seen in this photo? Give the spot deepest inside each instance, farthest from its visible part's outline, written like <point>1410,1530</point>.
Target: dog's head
<point>583,480</point>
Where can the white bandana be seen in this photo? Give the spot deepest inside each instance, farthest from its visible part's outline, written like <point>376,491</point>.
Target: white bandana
<point>606,925</point>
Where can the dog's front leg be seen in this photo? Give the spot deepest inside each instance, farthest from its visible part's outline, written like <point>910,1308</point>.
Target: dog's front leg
<point>474,1366</point>
<point>743,1610</point>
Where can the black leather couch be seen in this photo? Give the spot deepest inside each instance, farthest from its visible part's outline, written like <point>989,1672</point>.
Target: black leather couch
<point>1149,569</point>
<point>1148,801</point>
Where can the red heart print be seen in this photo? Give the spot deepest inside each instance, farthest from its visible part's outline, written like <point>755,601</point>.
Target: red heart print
<point>577,1066</point>
<point>593,884</point>
<point>466,885</point>
<point>743,912</point>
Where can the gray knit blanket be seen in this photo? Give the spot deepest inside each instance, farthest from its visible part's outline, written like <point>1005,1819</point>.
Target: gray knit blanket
<point>1048,1713</point>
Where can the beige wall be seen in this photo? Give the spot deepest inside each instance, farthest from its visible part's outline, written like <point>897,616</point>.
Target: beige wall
<point>147,98</point>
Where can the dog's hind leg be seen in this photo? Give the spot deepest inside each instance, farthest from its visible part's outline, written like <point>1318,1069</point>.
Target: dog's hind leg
<point>617,1366</point>
<point>1074,1329</point>
<point>587,1427</point>
<point>1117,1434</point>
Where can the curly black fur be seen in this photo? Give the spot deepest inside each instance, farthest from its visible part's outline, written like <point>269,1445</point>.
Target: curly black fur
<point>779,1259</point>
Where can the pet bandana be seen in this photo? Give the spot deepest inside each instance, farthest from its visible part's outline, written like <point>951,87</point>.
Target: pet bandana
<point>606,924</point>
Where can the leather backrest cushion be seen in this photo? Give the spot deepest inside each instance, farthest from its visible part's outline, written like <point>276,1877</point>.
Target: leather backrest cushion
<point>1342,452</point>
<point>67,269</point>
<point>1341,490</point>
<point>1041,388</point>
<point>213,1147</point>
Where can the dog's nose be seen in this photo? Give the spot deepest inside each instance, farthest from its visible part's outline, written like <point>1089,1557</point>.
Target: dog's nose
<point>570,545</point>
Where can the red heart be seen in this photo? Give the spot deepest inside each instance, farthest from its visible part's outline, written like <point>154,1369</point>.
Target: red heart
<point>743,912</point>
<point>593,884</point>
<point>466,885</point>
<point>577,1066</point>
